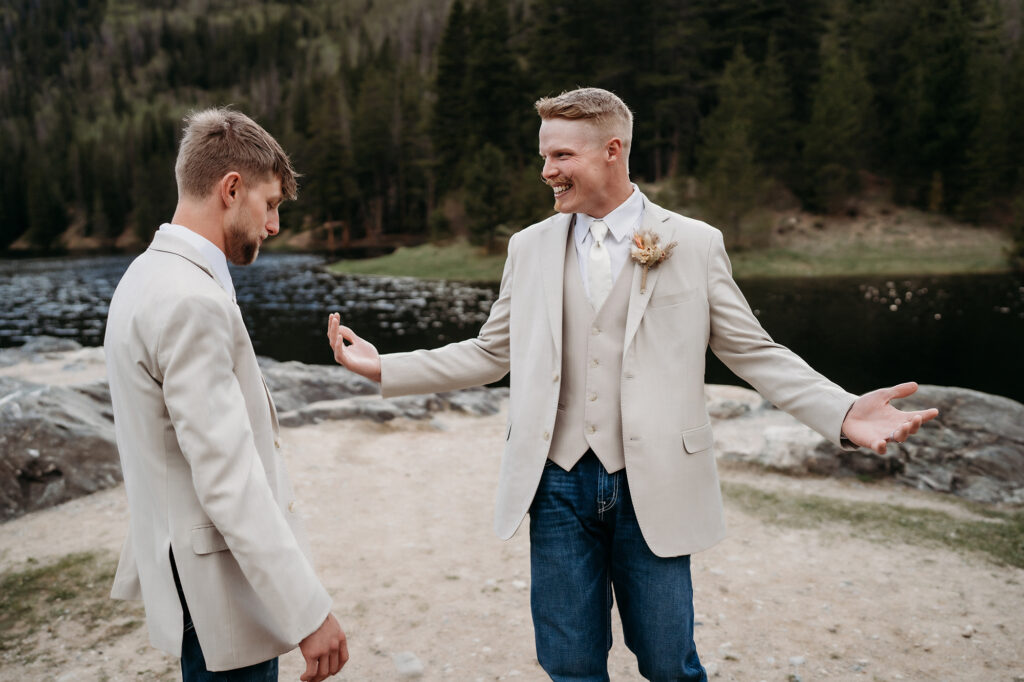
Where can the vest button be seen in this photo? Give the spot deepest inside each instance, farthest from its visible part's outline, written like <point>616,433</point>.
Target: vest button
<point>594,363</point>
<point>591,429</point>
<point>595,331</point>
<point>546,436</point>
<point>554,377</point>
<point>592,397</point>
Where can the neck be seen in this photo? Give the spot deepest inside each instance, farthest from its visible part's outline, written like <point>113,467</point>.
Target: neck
<point>617,194</point>
<point>198,217</point>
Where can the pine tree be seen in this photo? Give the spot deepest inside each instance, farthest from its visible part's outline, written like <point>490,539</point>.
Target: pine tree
<point>448,126</point>
<point>727,160</point>
<point>834,139</point>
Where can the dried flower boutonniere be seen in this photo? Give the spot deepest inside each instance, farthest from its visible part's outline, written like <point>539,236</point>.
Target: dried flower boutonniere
<point>648,253</point>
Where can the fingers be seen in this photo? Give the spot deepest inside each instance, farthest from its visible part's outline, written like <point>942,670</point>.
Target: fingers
<point>902,390</point>
<point>323,667</point>
<point>927,415</point>
<point>343,652</point>
<point>310,674</point>
<point>334,665</point>
<point>347,334</point>
<point>333,321</point>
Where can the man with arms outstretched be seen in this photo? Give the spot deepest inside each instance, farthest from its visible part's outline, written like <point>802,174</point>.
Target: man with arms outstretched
<point>609,446</point>
<point>215,549</point>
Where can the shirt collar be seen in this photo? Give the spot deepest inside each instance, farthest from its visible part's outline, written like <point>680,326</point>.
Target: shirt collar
<point>216,259</point>
<point>621,222</point>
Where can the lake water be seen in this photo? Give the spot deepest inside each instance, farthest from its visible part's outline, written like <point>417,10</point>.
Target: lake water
<point>862,332</point>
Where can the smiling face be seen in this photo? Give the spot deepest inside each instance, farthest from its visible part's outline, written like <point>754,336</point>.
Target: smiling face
<point>583,166</point>
<point>255,219</point>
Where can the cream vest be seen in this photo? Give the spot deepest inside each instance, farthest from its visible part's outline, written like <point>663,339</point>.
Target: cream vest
<point>589,403</point>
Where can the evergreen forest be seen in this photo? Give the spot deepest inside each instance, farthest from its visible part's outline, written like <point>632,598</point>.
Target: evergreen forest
<point>415,117</point>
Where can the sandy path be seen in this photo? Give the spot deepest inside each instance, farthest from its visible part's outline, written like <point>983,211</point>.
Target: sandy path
<point>400,516</point>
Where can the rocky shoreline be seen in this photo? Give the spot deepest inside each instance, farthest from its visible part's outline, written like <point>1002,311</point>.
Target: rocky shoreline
<point>57,436</point>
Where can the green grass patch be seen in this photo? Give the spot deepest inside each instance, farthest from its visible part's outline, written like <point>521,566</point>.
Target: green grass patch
<point>75,587</point>
<point>831,257</point>
<point>1000,539</point>
<point>455,261</point>
<point>868,260</point>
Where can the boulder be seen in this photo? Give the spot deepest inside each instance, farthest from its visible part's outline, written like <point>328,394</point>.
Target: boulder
<point>36,349</point>
<point>974,449</point>
<point>56,443</point>
<point>295,385</point>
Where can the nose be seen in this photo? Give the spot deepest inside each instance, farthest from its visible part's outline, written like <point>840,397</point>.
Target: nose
<point>273,223</point>
<point>549,171</point>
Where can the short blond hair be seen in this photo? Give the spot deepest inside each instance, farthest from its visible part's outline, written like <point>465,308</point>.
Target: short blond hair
<point>602,108</point>
<point>220,140</point>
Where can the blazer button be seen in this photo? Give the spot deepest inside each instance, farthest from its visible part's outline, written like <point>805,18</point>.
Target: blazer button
<point>595,331</point>
<point>554,377</point>
<point>546,436</point>
<point>594,363</point>
<point>291,506</point>
<point>591,429</point>
<point>277,442</point>
<point>592,397</point>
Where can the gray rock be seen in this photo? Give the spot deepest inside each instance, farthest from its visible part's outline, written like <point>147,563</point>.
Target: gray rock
<point>295,385</point>
<point>56,443</point>
<point>49,344</point>
<point>974,449</point>
<point>35,348</point>
<point>727,409</point>
<point>407,664</point>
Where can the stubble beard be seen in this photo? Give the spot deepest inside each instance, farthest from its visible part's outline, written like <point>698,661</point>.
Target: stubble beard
<point>240,247</point>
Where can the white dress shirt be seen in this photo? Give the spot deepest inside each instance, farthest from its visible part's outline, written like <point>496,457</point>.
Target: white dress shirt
<point>208,250</point>
<point>622,223</point>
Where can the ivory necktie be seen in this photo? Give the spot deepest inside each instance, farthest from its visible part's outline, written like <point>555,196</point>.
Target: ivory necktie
<point>599,267</point>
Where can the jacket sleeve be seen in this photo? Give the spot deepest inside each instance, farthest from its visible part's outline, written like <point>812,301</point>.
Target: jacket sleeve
<point>472,362</point>
<point>205,403</point>
<point>776,372</point>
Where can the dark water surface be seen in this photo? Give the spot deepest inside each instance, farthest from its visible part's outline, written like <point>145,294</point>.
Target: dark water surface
<point>863,332</point>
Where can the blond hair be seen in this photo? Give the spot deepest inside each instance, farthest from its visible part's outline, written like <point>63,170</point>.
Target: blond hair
<point>600,107</point>
<point>220,140</point>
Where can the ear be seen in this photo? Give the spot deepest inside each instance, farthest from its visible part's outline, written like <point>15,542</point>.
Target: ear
<point>613,149</point>
<point>229,188</point>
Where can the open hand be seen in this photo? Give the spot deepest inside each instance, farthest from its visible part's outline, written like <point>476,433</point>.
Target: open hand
<point>872,422</point>
<point>325,651</point>
<point>359,356</point>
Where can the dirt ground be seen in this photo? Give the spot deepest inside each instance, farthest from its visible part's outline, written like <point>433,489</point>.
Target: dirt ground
<point>400,517</point>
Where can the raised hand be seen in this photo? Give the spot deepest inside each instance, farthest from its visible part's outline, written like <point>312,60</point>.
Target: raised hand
<point>325,651</point>
<point>358,356</point>
<point>872,422</point>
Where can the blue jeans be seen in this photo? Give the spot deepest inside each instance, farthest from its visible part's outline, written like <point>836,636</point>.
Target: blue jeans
<point>585,541</point>
<point>193,663</point>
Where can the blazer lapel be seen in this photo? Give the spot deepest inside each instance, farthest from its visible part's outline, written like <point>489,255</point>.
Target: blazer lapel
<point>170,243</point>
<point>552,255</point>
<point>656,220</point>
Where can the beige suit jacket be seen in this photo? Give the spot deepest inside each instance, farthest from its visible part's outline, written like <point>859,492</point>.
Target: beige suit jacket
<point>198,440</point>
<point>691,301</point>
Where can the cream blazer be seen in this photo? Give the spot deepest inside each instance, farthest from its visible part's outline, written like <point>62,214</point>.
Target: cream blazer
<point>690,302</point>
<point>198,439</point>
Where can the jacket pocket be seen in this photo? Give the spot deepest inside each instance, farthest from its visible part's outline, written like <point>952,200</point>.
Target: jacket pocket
<point>698,439</point>
<point>207,540</point>
<point>671,299</point>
